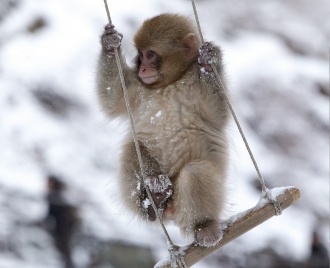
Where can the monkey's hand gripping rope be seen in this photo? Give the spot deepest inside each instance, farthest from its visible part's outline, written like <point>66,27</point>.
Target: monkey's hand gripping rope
<point>111,39</point>
<point>207,55</point>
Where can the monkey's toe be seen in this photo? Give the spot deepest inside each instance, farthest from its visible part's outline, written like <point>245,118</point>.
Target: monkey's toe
<point>151,214</point>
<point>208,234</point>
<point>161,190</point>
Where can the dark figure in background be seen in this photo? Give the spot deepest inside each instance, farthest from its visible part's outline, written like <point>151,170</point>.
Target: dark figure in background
<point>319,254</point>
<point>61,219</point>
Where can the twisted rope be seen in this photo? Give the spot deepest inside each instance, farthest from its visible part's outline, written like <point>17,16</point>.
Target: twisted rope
<point>222,89</point>
<point>173,249</point>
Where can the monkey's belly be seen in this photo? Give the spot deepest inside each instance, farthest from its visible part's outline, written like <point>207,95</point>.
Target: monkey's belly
<point>168,124</point>
<point>171,145</point>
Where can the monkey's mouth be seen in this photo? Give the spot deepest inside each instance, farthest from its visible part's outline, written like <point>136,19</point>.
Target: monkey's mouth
<point>149,79</point>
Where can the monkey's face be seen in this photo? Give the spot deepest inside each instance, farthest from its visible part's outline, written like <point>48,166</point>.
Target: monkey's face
<point>159,67</point>
<point>167,45</point>
<point>149,63</point>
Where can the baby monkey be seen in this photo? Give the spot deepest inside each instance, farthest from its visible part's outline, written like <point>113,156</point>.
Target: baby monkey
<point>180,121</point>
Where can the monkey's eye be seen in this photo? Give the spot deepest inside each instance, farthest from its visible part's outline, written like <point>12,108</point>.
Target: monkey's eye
<point>151,55</point>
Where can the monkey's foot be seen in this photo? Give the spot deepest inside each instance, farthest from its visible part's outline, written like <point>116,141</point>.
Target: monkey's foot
<point>161,190</point>
<point>208,234</point>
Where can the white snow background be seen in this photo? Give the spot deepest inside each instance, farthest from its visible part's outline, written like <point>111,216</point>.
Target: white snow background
<point>276,57</point>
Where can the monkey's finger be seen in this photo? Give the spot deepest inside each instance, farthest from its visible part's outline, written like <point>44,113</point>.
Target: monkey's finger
<point>207,45</point>
<point>108,27</point>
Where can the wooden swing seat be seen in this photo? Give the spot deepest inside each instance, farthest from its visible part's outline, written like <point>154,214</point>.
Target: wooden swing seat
<point>238,225</point>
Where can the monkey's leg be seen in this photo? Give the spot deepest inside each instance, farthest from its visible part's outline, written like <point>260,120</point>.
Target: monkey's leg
<point>130,188</point>
<point>198,201</point>
<point>159,184</point>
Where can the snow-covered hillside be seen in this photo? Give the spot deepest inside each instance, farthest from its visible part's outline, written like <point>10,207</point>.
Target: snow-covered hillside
<point>276,57</point>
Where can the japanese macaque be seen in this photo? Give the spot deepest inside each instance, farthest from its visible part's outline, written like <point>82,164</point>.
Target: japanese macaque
<point>180,121</point>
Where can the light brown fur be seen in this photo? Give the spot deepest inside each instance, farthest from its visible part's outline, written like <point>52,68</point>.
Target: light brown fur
<point>181,127</point>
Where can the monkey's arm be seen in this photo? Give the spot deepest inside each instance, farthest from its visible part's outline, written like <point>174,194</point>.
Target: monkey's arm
<point>108,82</point>
<point>210,61</point>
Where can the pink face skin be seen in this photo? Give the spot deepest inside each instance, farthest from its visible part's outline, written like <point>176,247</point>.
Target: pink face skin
<point>148,70</point>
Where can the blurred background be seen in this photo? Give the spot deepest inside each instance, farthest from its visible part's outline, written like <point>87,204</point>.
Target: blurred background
<point>59,154</point>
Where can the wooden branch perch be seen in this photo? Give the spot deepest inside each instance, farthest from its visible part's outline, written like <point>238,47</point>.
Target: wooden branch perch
<point>238,225</point>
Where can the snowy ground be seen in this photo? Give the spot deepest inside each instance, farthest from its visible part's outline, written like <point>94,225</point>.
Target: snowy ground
<point>277,66</point>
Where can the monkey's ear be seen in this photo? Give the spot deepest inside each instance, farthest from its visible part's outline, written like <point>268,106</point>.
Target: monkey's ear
<point>191,44</point>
